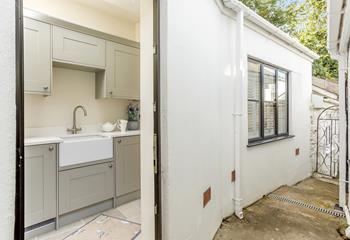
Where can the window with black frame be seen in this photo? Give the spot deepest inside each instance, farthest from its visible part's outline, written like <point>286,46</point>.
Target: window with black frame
<point>267,101</point>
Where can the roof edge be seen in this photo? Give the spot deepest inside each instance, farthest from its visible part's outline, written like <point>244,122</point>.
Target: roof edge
<point>236,6</point>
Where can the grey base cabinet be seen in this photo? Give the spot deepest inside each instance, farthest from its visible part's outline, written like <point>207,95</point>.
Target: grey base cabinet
<point>84,186</point>
<point>40,183</point>
<point>128,176</point>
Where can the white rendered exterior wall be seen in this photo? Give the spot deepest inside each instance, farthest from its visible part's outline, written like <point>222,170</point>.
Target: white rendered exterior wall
<point>266,167</point>
<point>7,119</point>
<point>197,48</point>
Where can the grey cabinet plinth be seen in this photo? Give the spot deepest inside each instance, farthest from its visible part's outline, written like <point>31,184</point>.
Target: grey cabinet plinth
<point>122,76</point>
<point>40,183</point>
<point>84,186</point>
<point>78,48</point>
<point>37,57</point>
<point>127,165</point>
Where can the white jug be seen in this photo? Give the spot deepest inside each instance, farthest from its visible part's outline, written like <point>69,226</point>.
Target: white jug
<point>122,125</point>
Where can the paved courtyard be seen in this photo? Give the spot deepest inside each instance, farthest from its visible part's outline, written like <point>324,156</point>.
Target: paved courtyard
<point>270,219</point>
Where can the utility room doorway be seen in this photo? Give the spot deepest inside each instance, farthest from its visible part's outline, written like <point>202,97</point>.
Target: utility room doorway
<point>87,132</point>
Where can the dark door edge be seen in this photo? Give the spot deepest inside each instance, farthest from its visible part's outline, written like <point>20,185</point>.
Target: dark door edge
<point>19,197</point>
<point>157,121</point>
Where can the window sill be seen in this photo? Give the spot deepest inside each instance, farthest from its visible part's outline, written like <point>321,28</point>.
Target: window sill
<point>265,141</point>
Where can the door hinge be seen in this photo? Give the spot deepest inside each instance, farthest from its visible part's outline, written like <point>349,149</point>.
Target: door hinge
<point>156,209</point>
<point>155,107</point>
<point>155,152</point>
<point>155,49</point>
<point>20,156</point>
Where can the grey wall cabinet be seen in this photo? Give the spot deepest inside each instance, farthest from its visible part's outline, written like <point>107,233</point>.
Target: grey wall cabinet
<point>85,186</point>
<point>78,48</point>
<point>40,184</point>
<point>37,57</point>
<point>122,77</point>
<point>128,176</point>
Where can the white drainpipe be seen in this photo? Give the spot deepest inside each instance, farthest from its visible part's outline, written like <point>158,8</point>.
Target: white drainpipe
<point>342,130</point>
<point>243,12</point>
<point>237,109</point>
<point>345,32</point>
<point>339,50</point>
<point>237,64</point>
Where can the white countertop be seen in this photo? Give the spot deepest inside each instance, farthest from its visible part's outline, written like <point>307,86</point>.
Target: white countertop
<point>120,134</point>
<point>41,138</point>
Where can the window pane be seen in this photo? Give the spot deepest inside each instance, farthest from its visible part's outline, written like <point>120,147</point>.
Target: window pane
<point>269,84</point>
<point>282,106</point>
<point>253,81</point>
<point>269,101</point>
<point>282,85</point>
<point>253,119</point>
<point>269,118</point>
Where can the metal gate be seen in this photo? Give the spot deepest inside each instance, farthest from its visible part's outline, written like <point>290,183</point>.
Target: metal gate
<point>327,156</point>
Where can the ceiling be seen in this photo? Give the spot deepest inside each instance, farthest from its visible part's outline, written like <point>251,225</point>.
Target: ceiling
<point>126,9</point>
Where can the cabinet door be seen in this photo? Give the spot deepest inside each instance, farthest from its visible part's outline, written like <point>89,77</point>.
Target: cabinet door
<point>127,165</point>
<point>85,186</point>
<point>40,184</point>
<point>37,57</point>
<point>77,48</point>
<point>123,71</point>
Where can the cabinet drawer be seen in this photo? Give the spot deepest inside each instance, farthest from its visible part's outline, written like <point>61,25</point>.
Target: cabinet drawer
<point>77,48</point>
<point>84,186</point>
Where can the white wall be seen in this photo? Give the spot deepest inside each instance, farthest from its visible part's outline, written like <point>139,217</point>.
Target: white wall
<point>7,119</point>
<point>71,88</point>
<point>85,16</point>
<point>266,167</point>
<point>197,46</point>
<point>197,101</point>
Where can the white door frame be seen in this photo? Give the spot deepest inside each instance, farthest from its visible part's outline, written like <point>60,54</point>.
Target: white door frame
<point>147,120</point>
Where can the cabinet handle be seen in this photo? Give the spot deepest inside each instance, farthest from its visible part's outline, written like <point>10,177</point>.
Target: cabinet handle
<point>51,148</point>
<point>110,165</point>
<point>46,88</point>
<point>119,141</point>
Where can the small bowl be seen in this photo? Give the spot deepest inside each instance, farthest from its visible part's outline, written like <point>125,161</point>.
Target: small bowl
<point>110,128</point>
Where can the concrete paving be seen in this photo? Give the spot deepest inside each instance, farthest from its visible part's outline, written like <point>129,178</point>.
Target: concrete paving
<point>270,219</point>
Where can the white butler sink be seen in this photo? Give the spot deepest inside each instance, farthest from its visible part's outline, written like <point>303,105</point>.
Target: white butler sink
<point>78,149</point>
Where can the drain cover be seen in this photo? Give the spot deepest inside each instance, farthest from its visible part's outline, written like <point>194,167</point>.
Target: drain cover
<point>332,212</point>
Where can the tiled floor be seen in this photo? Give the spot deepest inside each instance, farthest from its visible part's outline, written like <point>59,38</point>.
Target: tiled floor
<point>130,212</point>
<point>106,228</point>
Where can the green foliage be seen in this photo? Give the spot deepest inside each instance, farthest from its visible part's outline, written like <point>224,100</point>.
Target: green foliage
<point>304,20</point>
<point>279,12</point>
<point>133,112</point>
